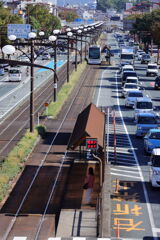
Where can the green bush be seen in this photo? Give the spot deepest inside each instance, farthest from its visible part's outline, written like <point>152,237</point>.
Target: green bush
<point>41,130</point>
<point>13,163</point>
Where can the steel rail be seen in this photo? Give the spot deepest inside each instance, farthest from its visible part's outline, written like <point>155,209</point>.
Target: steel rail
<point>25,109</point>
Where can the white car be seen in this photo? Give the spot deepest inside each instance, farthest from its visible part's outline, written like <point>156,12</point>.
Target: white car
<point>154,175</point>
<point>24,58</point>
<point>126,68</point>
<point>152,69</point>
<point>46,56</point>
<point>128,87</point>
<point>143,104</point>
<point>131,97</point>
<point>139,55</point>
<point>133,80</point>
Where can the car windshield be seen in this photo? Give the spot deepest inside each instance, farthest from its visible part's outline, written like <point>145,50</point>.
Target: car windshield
<point>147,120</point>
<point>131,81</point>
<point>127,74</point>
<point>130,86</point>
<point>128,69</point>
<point>144,105</point>
<point>127,56</point>
<point>14,71</point>
<point>134,94</point>
<point>156,161</point>
<point>152,67</point>
<point>155,135</point>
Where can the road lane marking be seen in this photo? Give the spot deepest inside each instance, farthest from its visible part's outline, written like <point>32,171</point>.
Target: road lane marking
<point>120,170</point>
<point>124,175</point>
<point>154,233</point>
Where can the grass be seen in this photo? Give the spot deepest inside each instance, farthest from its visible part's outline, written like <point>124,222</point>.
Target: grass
<point>55,107</point>
<point>14,162</point>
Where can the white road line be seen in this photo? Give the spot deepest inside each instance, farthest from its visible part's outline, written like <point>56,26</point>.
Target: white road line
<point>121,156</point>
<point>126,160</point>
<point>154,233</point>
<point>123,175</point>
<point>126,163</point>
<point>99,91</point>
<point>120,170</point>
<point>127,167</point>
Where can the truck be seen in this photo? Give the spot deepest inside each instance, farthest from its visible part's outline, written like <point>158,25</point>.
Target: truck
<point>127,56</point>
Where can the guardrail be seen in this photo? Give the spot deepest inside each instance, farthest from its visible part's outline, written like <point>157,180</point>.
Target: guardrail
<point>114,136</point>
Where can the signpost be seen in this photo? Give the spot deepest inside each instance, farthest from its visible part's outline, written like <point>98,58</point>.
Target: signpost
<point>19,30</point>
<point>46,106</point>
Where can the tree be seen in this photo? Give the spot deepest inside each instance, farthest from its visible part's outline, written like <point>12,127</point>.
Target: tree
<point>6,17</point>
<point>69,16</point>
<point>156,35</point>
<point>41,19</point>
<point>103,5</point>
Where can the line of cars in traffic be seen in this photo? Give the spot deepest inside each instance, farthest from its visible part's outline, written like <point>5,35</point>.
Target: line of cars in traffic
<point>146,118</point>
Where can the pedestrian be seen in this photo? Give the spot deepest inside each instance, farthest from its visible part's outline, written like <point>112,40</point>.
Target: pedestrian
<point>90,182</point>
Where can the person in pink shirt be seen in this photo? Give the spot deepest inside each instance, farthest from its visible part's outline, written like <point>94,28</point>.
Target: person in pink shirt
<point>90,180</point>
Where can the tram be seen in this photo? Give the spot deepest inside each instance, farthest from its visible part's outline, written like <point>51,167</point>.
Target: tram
<point>94,55</point>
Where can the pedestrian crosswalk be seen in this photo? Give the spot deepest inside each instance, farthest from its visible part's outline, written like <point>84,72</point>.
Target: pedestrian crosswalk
<point>63,238</point>
<point>77,238</point>
<point>121,154</point>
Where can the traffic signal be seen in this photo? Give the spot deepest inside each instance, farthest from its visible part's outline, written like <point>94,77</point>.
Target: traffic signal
<point>91,143</point>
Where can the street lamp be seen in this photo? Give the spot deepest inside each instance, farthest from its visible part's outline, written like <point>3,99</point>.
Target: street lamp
<point>80,33</point>
<point>12,37</point>
<point>53,38</point>
<point>8,49</point>
<point>85,30</point>
<point>41,33</point>
<point>31,36</point>
<point>69,34</point>
<point>76,46</point>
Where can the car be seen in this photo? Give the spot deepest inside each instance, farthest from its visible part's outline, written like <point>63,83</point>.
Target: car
<point>127,67</point>
<point>152,140</point>
<point>154,163</point>
<point>152,69</point>
<point>5,66</point>
<point>131,97</point>
<point>14,74</point>
<point>145,58</point>
<point>24,58</point>
<point>46,56</point>
<point>139,55</point>
<point>2,72</point>
<point>128,87</point>
<point>128,74</point>
<point>142,104</point>
<point>139,51</point>
<point>145,122</point>
<point>157,83</point>
<point>133,80</point>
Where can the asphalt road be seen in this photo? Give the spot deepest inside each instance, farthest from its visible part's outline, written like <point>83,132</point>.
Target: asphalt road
<point>135,205</point>
<point>12,94</point>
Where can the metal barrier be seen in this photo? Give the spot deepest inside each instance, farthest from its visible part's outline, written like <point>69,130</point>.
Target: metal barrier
<point>114,143</point>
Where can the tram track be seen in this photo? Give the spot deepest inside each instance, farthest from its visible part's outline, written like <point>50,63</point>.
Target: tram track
<point>12,129</point>
<point>82,97</point>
